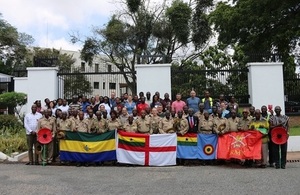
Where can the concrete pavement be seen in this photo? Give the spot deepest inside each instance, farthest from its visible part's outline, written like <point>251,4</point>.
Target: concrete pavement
<point>21,179</point>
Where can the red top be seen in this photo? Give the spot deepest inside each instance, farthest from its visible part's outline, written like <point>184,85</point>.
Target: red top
<point>140,107</point>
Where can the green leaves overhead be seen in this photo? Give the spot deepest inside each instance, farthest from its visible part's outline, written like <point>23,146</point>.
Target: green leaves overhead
<point>133,5</point>
<point>179,15</point>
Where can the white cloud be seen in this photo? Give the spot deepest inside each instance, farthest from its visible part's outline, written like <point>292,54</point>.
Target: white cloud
<point>60,43</point>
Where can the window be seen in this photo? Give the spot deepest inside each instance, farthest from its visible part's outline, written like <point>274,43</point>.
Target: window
<point>112,85</point>
<point>103,85</point>
<point>82,68</point>
<point>96,67</point>
<point>96,85</point>
<point>109,68</point>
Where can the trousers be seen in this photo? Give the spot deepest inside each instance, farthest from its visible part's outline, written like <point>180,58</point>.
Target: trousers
<point>31,143</point>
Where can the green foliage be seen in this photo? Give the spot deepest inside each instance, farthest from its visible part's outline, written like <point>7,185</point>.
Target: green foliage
<point>12,99</point>
<point>9,121</point>
<point>76,85</point>
<point>144,34</point>
<point>179,15</point>
<point>12,139</point>
<point>12,46</point>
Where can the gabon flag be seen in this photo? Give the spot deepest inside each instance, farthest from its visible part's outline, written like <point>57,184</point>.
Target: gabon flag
<point>240,145</point>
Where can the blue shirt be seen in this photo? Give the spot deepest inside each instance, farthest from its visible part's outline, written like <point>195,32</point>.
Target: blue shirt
<point>84,105</point>
<point>193,103</point>
<point>130,107</point>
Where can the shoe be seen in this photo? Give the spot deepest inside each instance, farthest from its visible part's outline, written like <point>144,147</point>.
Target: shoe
<point>36,163</point>
<point>29,163</point>
<point>277,167</point>
<point>86,164</point>
<point>271,165</point>
<point>78,165</point>
<point>283,166</point>
<point>263,166</point>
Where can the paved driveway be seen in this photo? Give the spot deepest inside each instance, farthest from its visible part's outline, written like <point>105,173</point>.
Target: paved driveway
<point>20,179</point>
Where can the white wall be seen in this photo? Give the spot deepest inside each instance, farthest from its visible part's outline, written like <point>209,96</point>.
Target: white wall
<point>42,83</point>
<point>293,144</point>
<point>154,77</point>
<point>21,85</point>
<point>265,84</point>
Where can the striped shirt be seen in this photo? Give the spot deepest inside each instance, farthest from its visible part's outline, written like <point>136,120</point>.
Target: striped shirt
<point>275,120</point>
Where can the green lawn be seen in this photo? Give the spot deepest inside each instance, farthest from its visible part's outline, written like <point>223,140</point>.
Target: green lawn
<point>295,131</point>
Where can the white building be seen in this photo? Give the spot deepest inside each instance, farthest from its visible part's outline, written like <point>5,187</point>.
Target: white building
<point>104,77</point>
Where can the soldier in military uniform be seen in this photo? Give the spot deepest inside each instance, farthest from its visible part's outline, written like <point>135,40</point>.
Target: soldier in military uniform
<point>65,124</point>
<point>100,124</point>
<point>166,124</point>
<point>220,124</point>
<point>130,125</point>
<point>114,123</point>
<point>199,113</point>
<point>244,123</point>
<point>154,121</point>
<point>181,124</point>
<point>74,115</point>
<point>206,125</point>
<point>49,123</point>
<point>90,121</point>
<point>143,123</point>
<point>81,125</point>
<point>233,121</point>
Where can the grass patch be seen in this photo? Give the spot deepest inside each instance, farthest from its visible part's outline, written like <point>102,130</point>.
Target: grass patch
<point>295,131</point>
<point>12,140</point>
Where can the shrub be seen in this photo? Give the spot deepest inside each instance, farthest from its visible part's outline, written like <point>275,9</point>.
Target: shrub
<point>9,121</point>
<point>12,140</point>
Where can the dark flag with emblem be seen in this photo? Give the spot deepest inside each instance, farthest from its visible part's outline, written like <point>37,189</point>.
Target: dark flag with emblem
<point>207,144</point>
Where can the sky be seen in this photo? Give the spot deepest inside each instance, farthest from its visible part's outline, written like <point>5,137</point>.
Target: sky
<point>51,22</point>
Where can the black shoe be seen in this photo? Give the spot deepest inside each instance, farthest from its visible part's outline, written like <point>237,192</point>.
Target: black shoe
<point>283,166</point>
<point>277,167</point>
<point>36,163</point>
<point>29,163</point>
<point>271,165</point>
<point>78,165</point>
<point>86,164</point>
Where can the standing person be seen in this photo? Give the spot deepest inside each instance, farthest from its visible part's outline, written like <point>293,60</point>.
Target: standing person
<point>148,98</point>
<point>166,102</point>
<point>166,124</point>
<point>206,125</point>
<point>193,121</point>
<point>65,124</point>
<point>267,116</point>
<point>185,111</point>
<point>155,101</point>
<point>64,107</point>
<point>90,121</point>
<point>106,104</point>
<point>97,99</point>
<point>112,100</point>
<point>130,125</point>
<point>114,123</point>
<point>81,125</point>
<point>49,123</point>
<point>141,106</point>
<point>252,112</point>
<point>233,121</point>
<point>200,111</point>
<point>232,104</point>
<point>38,106</point>
<point>279,120</point>
<point>130,105</point>
<point>124,116</point>
<point>208,102</point>
<point>143,124</point>
<point>178,104</point>
<point>75,105</point>
<point>222,100</point>
<point>154,121</point>
<point>182,124</point>
<point>30,124</point>
<point>244,123</point>
<point>193,101</point>
<point>220,124</point>
<point>262,125</point>
<point>100,124</point>
<point>141,95</point>
<point>84,104</point>
<point>52,107</point>
<point>124,98</point>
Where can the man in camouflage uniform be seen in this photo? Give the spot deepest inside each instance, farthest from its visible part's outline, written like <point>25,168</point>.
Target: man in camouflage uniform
<point>166,124</point>
<point>143,123</point>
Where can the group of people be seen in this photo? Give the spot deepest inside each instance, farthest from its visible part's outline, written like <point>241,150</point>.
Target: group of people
<point>157,116</point>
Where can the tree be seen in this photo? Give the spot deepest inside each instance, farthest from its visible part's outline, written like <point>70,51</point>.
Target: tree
<point>259,26</point>
<point>12,100</point>
<point>12,46</point>
<point>144,34</point>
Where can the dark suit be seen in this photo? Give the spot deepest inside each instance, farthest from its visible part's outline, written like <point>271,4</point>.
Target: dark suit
<point>194,128</point>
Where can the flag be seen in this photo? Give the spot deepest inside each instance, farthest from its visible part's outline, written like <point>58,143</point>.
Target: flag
<point>207,144</point>
<point>187,146</point>
<point>240,145</point>
<point>149,150</point>
<point>85,147</point>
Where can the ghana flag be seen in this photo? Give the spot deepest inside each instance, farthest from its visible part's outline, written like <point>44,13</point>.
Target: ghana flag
<point>85,147</point>
<point>148,150</point>
<point>187,146</point>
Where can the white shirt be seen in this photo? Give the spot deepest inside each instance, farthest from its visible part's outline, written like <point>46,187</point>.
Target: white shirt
<point>64,108</point>
<point>31,121</point>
